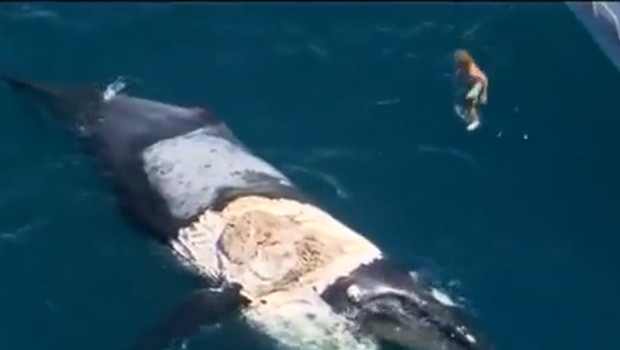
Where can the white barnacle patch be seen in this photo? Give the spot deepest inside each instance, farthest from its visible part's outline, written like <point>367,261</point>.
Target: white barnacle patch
<point>284,254</point>
<point>185,168</point>
<point>354,293</point>
<point>470,338</point>
<point>442,297</point>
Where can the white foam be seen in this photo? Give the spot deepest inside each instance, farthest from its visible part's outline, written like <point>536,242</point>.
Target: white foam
<point>114,88</point>
<point>305,322</point>
<point>464,156</point>
<point>329,179</point>
<point>387,102</point>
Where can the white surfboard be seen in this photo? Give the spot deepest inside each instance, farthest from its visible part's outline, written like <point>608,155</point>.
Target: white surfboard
<point>460,112</point>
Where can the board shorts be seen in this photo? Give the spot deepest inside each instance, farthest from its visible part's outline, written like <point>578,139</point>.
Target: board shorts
<point>475,93</point>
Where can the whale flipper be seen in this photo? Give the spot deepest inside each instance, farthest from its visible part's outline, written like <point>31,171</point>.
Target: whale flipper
<point>202,308</point>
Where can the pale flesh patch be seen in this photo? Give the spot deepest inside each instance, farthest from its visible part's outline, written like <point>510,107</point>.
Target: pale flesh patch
<point>277,245</point>
<point>271,245</point>
<point>284,254</point>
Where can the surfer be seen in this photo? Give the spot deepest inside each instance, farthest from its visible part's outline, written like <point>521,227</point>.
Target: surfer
<point>477,84</point>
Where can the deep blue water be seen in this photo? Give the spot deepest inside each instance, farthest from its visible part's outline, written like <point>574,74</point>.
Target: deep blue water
<point>353,102</point>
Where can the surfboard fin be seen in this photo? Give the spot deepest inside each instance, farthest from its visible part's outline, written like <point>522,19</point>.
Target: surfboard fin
<point>205,307</point>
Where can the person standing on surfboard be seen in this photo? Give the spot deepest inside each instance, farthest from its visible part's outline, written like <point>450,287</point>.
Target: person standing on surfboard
<point>477,84</point>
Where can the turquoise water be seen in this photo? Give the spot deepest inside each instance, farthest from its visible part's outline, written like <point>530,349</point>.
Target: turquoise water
<point>518,219</point>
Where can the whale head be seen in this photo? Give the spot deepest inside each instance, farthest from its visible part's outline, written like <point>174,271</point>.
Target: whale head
<point>397,307</point>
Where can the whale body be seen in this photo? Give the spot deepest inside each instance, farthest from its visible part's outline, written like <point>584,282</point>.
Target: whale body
<point>602,20</point>
<point>265,252</point>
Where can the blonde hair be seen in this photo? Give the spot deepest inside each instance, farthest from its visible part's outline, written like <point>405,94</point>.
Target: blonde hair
<point>461,56</point>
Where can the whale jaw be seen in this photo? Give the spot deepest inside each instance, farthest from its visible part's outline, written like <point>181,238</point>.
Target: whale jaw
<point>398,307</point>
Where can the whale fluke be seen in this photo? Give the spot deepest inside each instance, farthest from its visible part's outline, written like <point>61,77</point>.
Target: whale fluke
<point>75,102</point>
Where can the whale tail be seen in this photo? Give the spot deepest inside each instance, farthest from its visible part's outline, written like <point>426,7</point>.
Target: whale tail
<point>73,103</point>
<point>49,90</point>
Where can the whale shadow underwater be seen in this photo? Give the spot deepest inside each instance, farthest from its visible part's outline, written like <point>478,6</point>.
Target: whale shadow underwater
<point>263,250</point>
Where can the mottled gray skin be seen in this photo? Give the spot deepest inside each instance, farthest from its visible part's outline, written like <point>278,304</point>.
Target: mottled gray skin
<point>173,162</point>
<point>169,164</point>
<point>191,171</point>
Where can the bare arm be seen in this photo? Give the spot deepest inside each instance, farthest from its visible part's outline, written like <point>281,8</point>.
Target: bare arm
<point>485,89</point>
<point>457,74</point>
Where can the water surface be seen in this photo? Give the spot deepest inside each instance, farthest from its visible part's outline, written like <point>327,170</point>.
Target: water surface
<point>518,220</point>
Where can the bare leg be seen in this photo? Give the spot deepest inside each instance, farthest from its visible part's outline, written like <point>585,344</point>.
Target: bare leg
<point>471,114</point>
<point>470,110</point>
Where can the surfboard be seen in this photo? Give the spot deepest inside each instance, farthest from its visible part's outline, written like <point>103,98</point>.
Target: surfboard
<point>460,112</point>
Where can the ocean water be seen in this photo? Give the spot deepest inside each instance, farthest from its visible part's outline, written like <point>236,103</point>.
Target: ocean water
<point>517,220</point>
